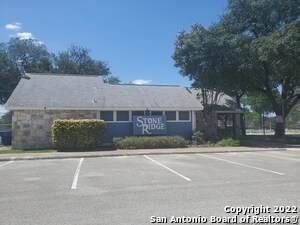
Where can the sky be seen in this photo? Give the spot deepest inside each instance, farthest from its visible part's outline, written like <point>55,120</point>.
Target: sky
<point>135,37</point>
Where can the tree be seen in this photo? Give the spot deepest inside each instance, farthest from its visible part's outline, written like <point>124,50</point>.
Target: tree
<point>112,79</point>
<point>212,59</point>
<point>34,55</point>
<point>261,105</point>
<point>77,60</point>
<point>37,59</point>
<point>274,29</point>
<point>254,47</point>
<point>293,120</point>
<point>9,76</point>
<point>6,118</point>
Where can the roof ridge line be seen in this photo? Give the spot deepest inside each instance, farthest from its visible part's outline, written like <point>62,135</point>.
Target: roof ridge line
<point>148,85</point>
<point>64,74</point>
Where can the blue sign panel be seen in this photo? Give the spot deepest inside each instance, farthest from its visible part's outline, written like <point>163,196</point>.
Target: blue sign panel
<point>149,125</point>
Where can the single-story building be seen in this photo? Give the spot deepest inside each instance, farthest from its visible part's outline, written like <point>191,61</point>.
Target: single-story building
<point>38,99</point>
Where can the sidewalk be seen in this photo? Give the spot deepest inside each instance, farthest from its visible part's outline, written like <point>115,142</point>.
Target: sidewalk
<point>107,153</point>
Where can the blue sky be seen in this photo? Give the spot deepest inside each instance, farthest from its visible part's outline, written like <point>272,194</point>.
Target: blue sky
<point>135,37</point>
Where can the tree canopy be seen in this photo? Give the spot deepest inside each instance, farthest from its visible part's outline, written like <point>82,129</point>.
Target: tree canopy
<point>36,58</point>
<point>77,60</point>
<point>9,76</point>
<point>255,46</point>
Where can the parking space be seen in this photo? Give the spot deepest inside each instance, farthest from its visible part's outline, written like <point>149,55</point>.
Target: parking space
<point>131,189</point>
<point>47,175</point>
<point>270,162</point>
<point>123,173</point>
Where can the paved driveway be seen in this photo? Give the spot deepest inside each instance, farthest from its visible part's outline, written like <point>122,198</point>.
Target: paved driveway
<point>151,188</point>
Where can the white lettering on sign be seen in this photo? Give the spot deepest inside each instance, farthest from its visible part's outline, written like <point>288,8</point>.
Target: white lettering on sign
<point>149,124</point>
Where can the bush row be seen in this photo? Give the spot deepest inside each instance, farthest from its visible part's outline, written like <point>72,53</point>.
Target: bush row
<point>199,138</point>
<point>85,134</point>
<point>69,134</point>
<point>146,142</point>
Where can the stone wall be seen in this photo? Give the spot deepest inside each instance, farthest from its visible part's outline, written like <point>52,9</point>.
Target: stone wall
<point>31,129</point>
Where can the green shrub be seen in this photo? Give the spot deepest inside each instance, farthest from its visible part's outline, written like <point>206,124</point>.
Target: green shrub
<point>229,142</point>
<point>198,138</point>
<point>146,142</point>
<point>72,134</point>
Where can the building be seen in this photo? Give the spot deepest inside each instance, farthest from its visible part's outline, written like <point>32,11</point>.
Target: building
<point>40,98</point>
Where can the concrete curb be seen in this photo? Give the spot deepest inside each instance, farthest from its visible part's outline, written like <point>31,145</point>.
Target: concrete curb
<point>64,155</point>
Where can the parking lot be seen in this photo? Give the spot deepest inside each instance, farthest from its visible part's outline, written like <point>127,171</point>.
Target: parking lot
<point>134,189</point>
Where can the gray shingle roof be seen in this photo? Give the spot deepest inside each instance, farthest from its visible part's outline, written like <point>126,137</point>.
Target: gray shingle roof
<point>36,91</point>
<point>223,101</point>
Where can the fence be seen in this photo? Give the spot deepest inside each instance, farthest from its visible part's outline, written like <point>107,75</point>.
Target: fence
<point>266,125</point>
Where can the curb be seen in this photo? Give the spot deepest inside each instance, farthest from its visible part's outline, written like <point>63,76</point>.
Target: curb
<point>130,153</point>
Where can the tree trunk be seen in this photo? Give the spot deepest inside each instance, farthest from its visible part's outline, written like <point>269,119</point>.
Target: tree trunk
<point>243,125</point>
<point>279,130</point>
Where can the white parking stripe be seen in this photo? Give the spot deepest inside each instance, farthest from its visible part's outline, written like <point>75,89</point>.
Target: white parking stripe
<point>173,171</point>
<point>75,179</point>
<point>273,156</point>
<point>6,163</point>
<point>241,164</point>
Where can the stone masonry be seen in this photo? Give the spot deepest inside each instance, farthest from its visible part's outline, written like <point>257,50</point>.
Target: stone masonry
<point>31,129</point>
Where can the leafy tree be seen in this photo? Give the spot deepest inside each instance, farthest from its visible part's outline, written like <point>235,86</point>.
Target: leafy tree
<point>293,119</point>
<point>254,47</point>
<point>252,119</point>
<point>274,29</point>
<point>112,79</point>
<point>77,60</point>
<point>212,59</point>
<point>261,105</point>
<point>9,76</point>
<point>37,59</point>
<point>6,118</point>
<point>33,54</point>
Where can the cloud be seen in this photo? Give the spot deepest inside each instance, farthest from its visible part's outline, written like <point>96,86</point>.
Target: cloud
<point>13,26</point>
<point>25,35</point>
<point>140,81</point>
<point>21,35</point>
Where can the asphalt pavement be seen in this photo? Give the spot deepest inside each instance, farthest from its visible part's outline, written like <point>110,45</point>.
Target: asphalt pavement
<point>152,188</point>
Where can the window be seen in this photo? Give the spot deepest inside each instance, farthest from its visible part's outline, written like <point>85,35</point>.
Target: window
<point>171,115</point>
<point>137,113</point>
<point>156,113</point>
<point>107,115</point>
<point>122,116</point>
<point>184,115</point>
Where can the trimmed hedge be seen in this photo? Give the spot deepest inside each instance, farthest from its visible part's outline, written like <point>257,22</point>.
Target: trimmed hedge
<point>72,134</point>
<point>146,142</point>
